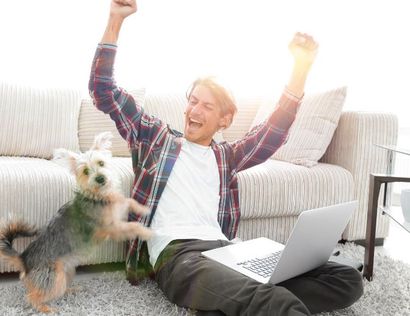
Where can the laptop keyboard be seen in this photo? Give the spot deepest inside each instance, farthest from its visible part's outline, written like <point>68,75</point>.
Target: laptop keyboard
<point>262,266</point>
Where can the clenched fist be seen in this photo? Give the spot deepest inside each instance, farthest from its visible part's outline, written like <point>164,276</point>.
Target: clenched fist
<point>304,49</point>
<point>123,8</point>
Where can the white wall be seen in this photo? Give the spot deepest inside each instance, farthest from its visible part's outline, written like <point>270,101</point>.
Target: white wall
<point>363,44</point>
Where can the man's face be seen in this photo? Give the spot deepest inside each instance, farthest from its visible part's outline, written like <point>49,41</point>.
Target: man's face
<point>203,117</point>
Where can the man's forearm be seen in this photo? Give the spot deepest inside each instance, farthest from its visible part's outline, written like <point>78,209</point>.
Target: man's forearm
<point>112,31</point>
<point>297,81</point>
<point>304,49</point>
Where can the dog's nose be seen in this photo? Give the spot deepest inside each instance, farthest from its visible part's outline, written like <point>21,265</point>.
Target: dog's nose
<point>100,179</point>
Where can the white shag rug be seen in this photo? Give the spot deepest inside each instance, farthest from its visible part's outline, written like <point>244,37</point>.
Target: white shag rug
<point>110,294</point>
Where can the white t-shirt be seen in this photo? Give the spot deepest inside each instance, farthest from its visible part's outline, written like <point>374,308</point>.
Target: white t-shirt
<point>188,207</point>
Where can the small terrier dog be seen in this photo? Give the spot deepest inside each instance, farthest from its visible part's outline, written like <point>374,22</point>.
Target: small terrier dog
<point>97,212</point>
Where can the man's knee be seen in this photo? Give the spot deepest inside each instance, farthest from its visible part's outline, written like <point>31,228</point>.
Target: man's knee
<point>354,281</point>
<point>278,301</point>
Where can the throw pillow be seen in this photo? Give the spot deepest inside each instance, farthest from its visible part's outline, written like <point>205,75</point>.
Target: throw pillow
<point>36,121</point>
<point>313,128</point>
<point>93,121</point>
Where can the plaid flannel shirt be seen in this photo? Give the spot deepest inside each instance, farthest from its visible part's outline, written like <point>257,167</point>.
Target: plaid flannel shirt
<point>157,147</point>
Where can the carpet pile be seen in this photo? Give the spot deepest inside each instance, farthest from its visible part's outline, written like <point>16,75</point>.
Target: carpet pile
<point>110,294</point>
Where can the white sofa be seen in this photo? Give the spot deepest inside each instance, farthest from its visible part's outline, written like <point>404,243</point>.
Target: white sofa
<point>271,194</point>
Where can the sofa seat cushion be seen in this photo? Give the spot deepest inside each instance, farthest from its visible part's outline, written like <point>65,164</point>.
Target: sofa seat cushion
<point>278,188</point>
<point>275,228</point>
<point>34,189</point>
<point>123,171</point>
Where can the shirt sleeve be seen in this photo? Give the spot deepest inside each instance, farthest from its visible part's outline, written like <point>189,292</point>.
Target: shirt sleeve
<point>262,141</point>
<point>131,121</point>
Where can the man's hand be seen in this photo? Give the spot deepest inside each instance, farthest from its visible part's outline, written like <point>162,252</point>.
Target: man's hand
<point>304,49</point>
<point>119,10</point>
<point>123,8</point>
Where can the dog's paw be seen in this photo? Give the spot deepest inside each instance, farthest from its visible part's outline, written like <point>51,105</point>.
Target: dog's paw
<point>146,234</point>
<point>73,290</point>
<point>46,309</point>
<point>142,232</point>
<point>138,208</point>
<point>101,234</point>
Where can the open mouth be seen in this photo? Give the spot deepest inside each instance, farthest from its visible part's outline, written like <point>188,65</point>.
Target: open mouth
<point>194,124</point>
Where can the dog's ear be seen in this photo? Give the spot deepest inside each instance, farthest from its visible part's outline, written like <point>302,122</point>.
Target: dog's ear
<point>66,158</point>
<point>102,141</point>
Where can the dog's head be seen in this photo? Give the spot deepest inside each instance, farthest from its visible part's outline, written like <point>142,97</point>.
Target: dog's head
<point>92,168</point>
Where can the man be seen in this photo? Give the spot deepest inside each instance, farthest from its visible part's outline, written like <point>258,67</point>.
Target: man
<point>189,182</point>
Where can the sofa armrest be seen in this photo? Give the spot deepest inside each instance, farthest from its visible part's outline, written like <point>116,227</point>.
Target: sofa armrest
<point>353,148</point>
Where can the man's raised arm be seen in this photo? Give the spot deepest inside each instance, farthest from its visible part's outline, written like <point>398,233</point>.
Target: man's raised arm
<point>119,10</point>
<point>303,49</point>
<point>263,140</point>
<point>107,96</point>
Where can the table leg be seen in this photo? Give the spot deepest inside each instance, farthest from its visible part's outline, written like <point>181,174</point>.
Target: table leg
<point>374,191</point>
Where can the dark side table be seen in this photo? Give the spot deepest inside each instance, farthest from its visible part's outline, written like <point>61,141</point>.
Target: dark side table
<point>376,181</point>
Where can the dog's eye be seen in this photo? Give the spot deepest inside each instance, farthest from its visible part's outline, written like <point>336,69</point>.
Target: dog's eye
<point>86,171</point>
<point>101,163</point>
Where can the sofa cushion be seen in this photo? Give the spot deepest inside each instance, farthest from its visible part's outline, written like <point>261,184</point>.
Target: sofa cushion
<point>123,171</point>
<point>27,185</point>
<point>278,188</point>
<point>313,128</point>
<point>36,121</point>
<point>92,122</point>
<point>275,228</point>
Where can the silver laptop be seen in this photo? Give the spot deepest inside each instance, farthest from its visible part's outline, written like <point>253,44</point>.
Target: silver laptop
<point>310,245</point>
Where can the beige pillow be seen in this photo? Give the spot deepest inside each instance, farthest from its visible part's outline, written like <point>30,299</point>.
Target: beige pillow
<point>93,121</point>
<point>313,128</point>
<point>36,121</point>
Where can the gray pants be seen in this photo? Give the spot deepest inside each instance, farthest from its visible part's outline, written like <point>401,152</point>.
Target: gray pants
<point>189,279</point>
